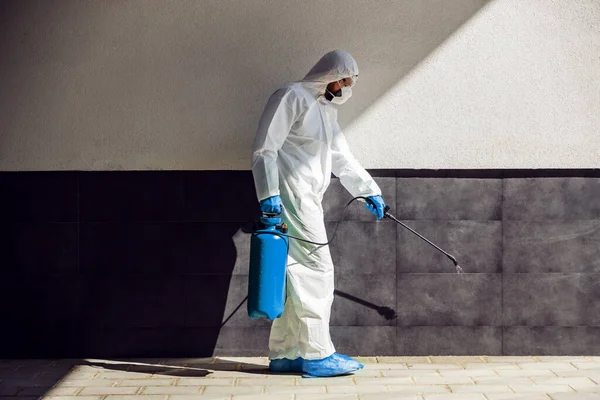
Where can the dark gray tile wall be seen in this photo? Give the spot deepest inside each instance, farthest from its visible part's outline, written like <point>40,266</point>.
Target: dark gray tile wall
<point>551,299</point>
<point>477,244</point>
<point>449,340</point>
<point>379,290</point>
<point>155,264</point>
<point>364,340</point>
<point>551,340</point>
<point>131,196</point>
<point>39,248</point>
<point>470,299</point>
<point>448,199</point>
<point>552,199</point>
<point>364,247</point>
<point>552,246</point>
<point>235,341</point>
<point>39,197</point>
<point>551,261</point>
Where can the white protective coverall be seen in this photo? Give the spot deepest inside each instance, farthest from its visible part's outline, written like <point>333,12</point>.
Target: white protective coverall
<point>298,145</point>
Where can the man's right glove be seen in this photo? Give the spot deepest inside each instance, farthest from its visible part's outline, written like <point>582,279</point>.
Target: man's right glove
<point>379,207</point>
<point>271,205</point>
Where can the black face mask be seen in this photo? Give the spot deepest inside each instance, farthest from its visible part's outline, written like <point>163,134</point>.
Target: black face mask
<point>329,95</point>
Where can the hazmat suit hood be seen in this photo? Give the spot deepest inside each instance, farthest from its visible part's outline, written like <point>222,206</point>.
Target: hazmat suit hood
<point>333,66</point>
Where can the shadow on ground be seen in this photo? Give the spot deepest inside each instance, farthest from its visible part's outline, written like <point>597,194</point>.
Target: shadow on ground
<point>35,378</point>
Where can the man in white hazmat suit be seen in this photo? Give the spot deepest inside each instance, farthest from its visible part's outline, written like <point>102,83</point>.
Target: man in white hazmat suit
<point>297,146</point>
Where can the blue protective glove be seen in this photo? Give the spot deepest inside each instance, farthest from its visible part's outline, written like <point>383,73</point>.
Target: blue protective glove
<point>271,205</point>
<point>379,206</point>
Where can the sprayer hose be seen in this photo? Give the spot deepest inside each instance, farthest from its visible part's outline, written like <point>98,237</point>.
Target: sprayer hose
<point>334,232</point>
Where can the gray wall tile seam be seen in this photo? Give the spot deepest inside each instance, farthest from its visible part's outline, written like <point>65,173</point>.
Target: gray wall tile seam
<point>366,274</point>
<point>453,272</point>
<point>359,220</point>
<point>100,326</point>
<point>183,274</point>
<point>499,273</point>
<point>424,219</point>
<point>455,326</point>
<point>555,220</point>
<point>367,326</point>
<point>554,273</point>
<point>497,173</point>
<point>159,221</point>
<point>397,319</point>
<point>81,324</point>
<point>502,193</point>
<point>551,326</point>
<point>490,326</point>
<point>184,189</point>
<point>155,275</point>
<point>241,222</point>
<point>31,223</point>
<point>78,224</point>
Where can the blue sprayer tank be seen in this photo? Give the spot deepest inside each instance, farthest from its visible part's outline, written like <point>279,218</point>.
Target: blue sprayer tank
<point>268,260</point>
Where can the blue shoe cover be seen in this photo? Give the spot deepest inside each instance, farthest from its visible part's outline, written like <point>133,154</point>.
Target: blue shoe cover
<point>286,365</point>
<point>347,358</point>
<point>334,365</point>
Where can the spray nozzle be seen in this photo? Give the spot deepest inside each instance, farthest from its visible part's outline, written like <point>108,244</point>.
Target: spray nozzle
<point>386,210</point>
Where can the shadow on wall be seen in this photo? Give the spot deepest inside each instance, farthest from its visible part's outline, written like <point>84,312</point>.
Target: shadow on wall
<point>129,264</point>
<point>119,264</point>
<point>182,85</point>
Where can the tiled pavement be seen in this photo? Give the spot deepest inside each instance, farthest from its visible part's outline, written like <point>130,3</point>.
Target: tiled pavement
<point>415,378</point>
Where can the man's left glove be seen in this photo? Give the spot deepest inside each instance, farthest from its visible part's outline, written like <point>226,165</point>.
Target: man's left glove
<point>271,205</point>
<point>376,206</point>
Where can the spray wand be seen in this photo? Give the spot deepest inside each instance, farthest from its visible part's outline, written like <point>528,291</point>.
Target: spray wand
<point>386,214</point>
